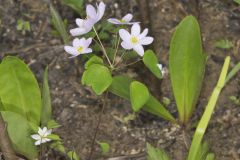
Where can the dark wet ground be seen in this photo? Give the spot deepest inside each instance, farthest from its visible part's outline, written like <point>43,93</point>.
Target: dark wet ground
<point>77,108</point>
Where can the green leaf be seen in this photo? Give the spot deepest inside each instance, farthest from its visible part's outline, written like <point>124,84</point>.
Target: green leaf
<point>224,44</point>
<point>121,87</point>
<point>73,155</point>
<point>19,91</point>
<point>237,1</point>
<point>233,72</point>
<point>19,133</point>
<point>54,137</point>
<point>187,65</point>
<point>93,60</point>
<point>76,5</point>
<point>46,100</point>
<point>58,146</point>
<point>105,147</point>
<point>150,60</point>
<point>52,124</point>
<point>98,77</point>
<point>59,24</point>
<point>202,125</point>
<point>139,95</point>
<point>156,154</point>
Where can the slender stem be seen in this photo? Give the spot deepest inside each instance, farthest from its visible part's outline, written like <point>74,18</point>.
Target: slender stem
<point>115,54</point>
<point>120,58</point>
<point>97,128</point>
<point>132,63</point>
<point>103,49</point>
<point>5,142</point>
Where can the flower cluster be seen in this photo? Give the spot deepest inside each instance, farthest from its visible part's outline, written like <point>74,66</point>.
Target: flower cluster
<point>134,40</point>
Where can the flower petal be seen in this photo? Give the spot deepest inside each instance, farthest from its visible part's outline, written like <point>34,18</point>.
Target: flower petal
<point>40,131</point>
<point>146,40</point>
<point>114,21</point>
<point>91,12</point>
<point>135,30</point>
<point>100,10</point>
<point>77,31</point>
<point>71,50</point>
<point>143,34</point>
<point>76,42</point>
<point>125,35</point>
<point>36,136</point>
<point>38,142</point>
<point>139,49</point>
<point>126,45</point>
<point>79,22</point>
<point>88,42</point>
<point>127,17</point>
<point>88,50</point>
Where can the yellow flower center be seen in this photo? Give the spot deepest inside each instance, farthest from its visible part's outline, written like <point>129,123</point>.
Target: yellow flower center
<point>122,20</point>
<point>134,40</point>
<point>80,49</point>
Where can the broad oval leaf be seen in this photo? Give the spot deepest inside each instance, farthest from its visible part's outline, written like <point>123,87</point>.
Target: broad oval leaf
<point>187,65</point>
<point>98,77</point>
<point>94,60</point>
<point>150,60</point>
<point>19,132</point>
<point>139,95</point>
<point>19,91</point>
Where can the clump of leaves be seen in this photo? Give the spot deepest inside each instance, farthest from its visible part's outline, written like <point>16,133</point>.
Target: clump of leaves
<point>23,25</point>
<point>224,44</point>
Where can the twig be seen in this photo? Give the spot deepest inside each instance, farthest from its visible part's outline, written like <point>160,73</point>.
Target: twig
<point>5,142</point>
<point>97,128</point>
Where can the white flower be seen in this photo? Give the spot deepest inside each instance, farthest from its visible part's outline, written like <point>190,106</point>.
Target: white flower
<point>125,20</point>
<point>84,26</point>
<point>41,137</point>
<point>162,69</point>
<point>80,46</point>
<point>135,40</point>
<point>93,16</point>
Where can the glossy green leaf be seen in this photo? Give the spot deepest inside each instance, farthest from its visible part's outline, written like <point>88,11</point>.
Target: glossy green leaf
<point>139,95</point>
<point>76,5</point>
<point>187,65</point>
<point>93,60</point>
<point>202,125</point>
<point>156,153</point>
<point>98,77</point>
<point>121,87</point>
<point>105,147</point>
<point>19,91</point>
<point>150,60</point>
<point>59,25</point>
<point>19,133</point>
<point>46,100</point>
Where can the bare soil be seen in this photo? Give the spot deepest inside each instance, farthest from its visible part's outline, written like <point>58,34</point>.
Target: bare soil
<point>77,108</point>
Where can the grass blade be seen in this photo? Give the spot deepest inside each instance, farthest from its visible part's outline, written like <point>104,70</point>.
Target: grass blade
<point>232,73</point>
<point>46,100</point>
<point>202,126</point>
<point>59,24</point>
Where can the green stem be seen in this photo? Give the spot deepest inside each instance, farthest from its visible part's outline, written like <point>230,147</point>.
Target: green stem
<point>103,49</point>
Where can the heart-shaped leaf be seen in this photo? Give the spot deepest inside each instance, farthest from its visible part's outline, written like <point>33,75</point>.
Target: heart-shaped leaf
<point>150,60</point>
<point>98,77</point>
<point>139,95</point>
